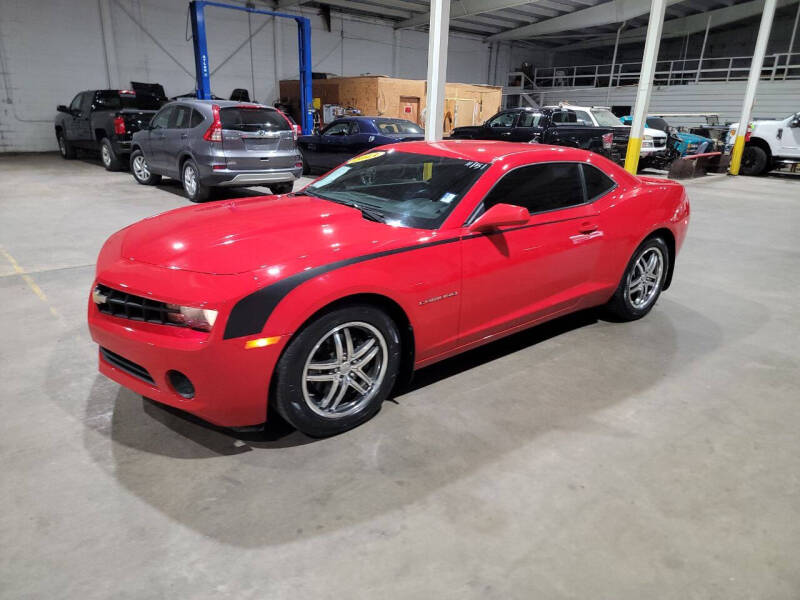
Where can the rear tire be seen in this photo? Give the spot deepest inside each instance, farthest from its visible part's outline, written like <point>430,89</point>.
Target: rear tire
<point>282,188</point>
<point>66,149</point>
<point>108,157</point>
<point>754,161</point>
<point>306,166</point>
<point>190,178</point>
<point>642,281</point>
<point>337,371</point>
<point>141,170</point>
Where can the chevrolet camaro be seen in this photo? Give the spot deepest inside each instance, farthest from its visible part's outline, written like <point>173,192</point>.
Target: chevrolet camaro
<point>317,303</point>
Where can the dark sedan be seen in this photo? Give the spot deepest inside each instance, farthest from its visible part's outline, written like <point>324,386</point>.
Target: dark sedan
<point>348,136</point>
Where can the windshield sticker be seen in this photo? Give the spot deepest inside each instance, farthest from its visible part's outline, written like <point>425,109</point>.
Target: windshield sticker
<point>363,157</point>
<point>332,176</point>
<point>427,171</point>
<point>447,198</point>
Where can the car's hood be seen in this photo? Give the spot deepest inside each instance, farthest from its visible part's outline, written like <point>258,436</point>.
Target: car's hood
<point>692,137</point>
<point>286,233</point>
<point>654,132</point>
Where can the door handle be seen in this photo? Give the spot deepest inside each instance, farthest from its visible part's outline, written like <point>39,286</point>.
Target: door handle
<point>588,227</point>
<point>184,136</point>
<point>506,133</point>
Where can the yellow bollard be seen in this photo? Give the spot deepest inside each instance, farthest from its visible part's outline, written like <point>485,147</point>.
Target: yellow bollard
<point>632,155</point>
<point>736,155</point>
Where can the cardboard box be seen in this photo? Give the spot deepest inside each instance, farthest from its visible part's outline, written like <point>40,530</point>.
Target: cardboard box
<point>380,96</point>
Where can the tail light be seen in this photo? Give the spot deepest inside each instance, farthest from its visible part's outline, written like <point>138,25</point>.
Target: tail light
<point>214,133</point>
<point>295,127</point>
<point>608,139</point>
<point>119,125</point>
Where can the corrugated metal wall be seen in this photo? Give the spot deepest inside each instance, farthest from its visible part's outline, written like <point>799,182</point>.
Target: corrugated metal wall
<point>775,99</point>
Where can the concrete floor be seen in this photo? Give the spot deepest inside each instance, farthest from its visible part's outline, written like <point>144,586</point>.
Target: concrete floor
<point>582,459</point>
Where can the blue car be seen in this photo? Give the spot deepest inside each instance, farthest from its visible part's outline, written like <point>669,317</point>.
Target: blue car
<point>688,143</point>
<point>348,136</point>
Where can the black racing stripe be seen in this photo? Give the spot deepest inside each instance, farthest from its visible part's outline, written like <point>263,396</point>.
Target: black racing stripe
<point>250,314</point>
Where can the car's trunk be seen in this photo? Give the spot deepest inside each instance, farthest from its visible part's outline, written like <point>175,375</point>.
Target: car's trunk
<point>257,139</point>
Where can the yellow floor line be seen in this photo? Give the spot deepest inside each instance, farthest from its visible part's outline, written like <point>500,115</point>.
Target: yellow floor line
<point>29,280</point>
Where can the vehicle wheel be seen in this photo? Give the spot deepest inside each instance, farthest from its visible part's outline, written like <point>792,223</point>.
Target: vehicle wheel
<point>141,171</point>
<point>642,282</point>
<point>282,188</point>
<point>108,156</point>
<point>338,370</point>
<point>67,150</point>
<point>195,191</point>
<point>754,161</point>
<point>306,166</point>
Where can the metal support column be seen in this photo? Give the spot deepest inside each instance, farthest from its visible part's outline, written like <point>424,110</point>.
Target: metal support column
<point>112,72</point>
<point>651,45</point>
<point>791,42</point>
<point>201,61</point>
<point>614,62</point>
<point>752,84</point>
<point>437,68</point>
<point>702,51</point>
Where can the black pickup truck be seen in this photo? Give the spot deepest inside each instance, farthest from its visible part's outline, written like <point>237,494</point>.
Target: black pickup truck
<point>558,127</point>
<point>104,120</point>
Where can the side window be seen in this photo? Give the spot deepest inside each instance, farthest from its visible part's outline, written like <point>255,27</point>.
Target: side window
<point>564,116</point>
<point>583,118</point>
<point>86,103</point>
<point>197,118</point>
<point>503,120</point>
<point>597,182</point>
<point>180,117</point>
<point>354,128</point>
<point>529,119</point>
<point>539,188</point>
<point>76,102</point>
<point>161,120</point>
<point>338,128</point>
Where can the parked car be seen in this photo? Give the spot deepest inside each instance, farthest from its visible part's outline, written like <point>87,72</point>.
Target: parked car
<point>210,143</point>
<point>317,302</point>
<point>768,144</point>
<point>344,138</point>
<point>553,125</point>
<point>684,143</point>
<point>104,120</point>
<point>654,142</point>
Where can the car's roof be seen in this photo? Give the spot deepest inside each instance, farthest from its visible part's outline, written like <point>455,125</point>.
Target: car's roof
<point>222,103</point>
<point>486,151</point>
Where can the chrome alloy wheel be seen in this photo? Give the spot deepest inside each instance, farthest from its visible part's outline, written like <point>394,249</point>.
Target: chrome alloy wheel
<point>345,369</point>
<point>105,154</point>
<point>190,179</point>
<point>644,280</point>
<point>140,168</point>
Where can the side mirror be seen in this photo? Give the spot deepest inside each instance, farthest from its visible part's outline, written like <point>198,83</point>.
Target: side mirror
<point>795,123</point>
<point>500,215</point>
<point>62,108</point>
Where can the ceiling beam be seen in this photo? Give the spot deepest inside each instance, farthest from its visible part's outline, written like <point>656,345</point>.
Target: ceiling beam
<point>684,25</point>
<point>601,14</point>
<point>351,5</point>
<point>463,8</point>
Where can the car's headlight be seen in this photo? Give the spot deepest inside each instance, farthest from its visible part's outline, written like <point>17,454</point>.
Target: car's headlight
<point>648,138</point>
<point>196,318</point>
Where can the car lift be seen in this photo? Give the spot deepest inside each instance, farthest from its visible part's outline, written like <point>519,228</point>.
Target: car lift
<point>201,64</point>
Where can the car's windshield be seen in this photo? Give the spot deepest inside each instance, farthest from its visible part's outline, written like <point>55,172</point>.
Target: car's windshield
<point>401,188</point>
<point>388,126</point>
<point>242,118</point>
<point>605,118</point>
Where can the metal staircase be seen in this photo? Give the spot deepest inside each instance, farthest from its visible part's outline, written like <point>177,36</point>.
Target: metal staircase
<point>519,91</point>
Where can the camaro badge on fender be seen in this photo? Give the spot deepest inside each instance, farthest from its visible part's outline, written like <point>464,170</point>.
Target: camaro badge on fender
<point>437,298</point>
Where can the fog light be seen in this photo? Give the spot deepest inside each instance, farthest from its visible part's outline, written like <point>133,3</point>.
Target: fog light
<point>181,384</point>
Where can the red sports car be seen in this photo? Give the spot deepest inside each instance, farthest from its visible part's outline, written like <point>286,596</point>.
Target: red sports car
<point>317,302</point>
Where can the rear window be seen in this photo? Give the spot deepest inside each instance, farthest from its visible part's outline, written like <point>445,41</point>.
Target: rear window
<point>115,100</point>
<point>389,126</point>
<point>252,119</point>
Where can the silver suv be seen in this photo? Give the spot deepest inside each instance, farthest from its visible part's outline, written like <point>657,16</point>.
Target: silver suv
<point>209,143</point>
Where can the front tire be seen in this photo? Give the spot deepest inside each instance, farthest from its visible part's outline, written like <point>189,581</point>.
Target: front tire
<point>190,177</point>
<point>642,281</point>
<point>108,157</point>
<point>336,373</point>
<point>281,188</point>
<point>754,161</point>
<point>141,170</point>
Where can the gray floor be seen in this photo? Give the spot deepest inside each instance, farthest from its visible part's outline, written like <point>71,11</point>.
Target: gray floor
<point>583,459</point>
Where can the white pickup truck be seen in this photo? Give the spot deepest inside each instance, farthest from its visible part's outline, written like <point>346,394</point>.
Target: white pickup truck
<point>768,144</point>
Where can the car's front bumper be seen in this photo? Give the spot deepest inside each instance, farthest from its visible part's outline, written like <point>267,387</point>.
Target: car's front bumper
<point>231,382</point>
<point>230,177</point>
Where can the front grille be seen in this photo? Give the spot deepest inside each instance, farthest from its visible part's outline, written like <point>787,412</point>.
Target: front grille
<point>136,308</point>
<point>659,142</point>
<point>130,367</point>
